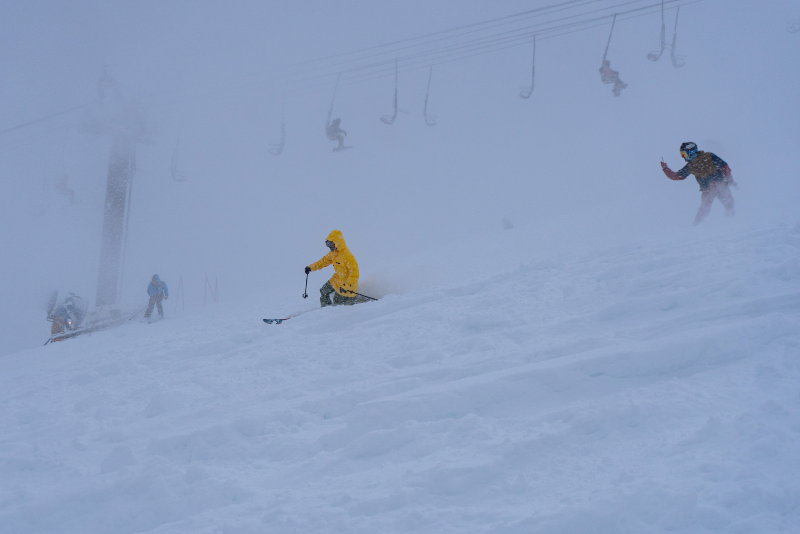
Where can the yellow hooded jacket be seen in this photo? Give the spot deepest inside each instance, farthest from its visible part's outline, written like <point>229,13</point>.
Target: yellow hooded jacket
<point>344,263</point>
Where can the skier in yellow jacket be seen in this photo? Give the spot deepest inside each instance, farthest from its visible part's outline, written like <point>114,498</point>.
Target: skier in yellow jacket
<point>344,282</point>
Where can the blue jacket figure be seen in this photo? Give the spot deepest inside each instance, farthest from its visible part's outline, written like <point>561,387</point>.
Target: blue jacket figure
<point>157,291</point>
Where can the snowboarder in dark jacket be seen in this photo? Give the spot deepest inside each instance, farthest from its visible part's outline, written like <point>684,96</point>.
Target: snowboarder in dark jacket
<point>713,176</point>
<point>157,291</point>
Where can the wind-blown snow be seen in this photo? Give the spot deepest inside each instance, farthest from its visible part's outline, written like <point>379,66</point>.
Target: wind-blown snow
<point>641,388</point>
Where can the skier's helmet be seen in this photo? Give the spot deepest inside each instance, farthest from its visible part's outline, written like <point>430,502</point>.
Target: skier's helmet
<point>688,151</point>
<point>155,279</point>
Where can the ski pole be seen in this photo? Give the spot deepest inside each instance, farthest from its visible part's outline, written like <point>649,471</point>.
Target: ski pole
<point>359,294</point>
<point>305,292</point>
<point>137,313</point>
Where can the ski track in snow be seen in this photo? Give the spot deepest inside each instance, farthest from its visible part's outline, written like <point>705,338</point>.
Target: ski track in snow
<point>636,389</point>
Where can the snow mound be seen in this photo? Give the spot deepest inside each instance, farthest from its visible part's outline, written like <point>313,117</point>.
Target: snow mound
<point>634,389</point>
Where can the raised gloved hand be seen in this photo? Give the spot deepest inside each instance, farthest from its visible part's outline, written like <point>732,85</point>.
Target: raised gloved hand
<point>672,175</point>
<point>308,269</point>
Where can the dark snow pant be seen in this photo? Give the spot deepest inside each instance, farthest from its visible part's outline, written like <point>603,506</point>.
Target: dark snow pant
<point>325,297</point>
<point>619,85</point>
<point>154,301</point>
<point>718,190</point>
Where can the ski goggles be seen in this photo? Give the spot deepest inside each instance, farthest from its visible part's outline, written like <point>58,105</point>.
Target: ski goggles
<point>330,244</point>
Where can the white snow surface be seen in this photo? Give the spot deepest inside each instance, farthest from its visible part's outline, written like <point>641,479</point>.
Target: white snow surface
<point>639,388</point>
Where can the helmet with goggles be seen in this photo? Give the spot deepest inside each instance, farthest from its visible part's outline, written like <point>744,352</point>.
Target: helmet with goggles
<point>688,151</point>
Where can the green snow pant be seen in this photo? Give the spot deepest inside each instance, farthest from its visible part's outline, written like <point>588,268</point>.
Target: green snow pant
<point>325,297</point>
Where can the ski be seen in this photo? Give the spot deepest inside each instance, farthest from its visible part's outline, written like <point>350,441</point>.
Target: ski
<point>69,335</point>
<point>280,320</point>
<point>276,321</point>
<point>96,327</point>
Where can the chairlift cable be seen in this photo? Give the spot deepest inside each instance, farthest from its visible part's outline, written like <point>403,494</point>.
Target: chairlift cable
<point>473,48</point>
<point>526,30</point>
<point>493,45</point>
<point>42,119</point>
<point>488,50</point>
<point>519,33</point>
<point>490,45</point>
<point>378,70</point>
<point>449,30</point>
<point>417,45</point>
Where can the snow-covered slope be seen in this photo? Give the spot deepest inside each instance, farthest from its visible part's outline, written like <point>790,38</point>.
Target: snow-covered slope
<point>630,389</point>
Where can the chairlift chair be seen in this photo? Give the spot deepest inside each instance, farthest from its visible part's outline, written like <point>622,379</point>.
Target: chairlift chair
<point>526,92</point>
<point>389,119</point>
<point>328,131</point>
<point>430,120</point>
<point>655,55</point>
<point>677,61</point>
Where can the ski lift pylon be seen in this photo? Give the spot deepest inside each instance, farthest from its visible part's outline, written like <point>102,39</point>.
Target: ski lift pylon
<point>677,61</point>
<point>430,120</point>
<point>276,150</point>
<point>526,92</point>
<point>389,119</point>
<point>177,175</point>
<point>655,55</point>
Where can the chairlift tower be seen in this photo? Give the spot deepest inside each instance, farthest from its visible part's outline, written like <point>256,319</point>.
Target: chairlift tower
<point>121,168</point>
<point>125,122</point>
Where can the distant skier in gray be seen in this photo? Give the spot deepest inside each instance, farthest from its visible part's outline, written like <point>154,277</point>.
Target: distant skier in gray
<point>612,76</point>
<point>157,291</point>
<point>335,133</point>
